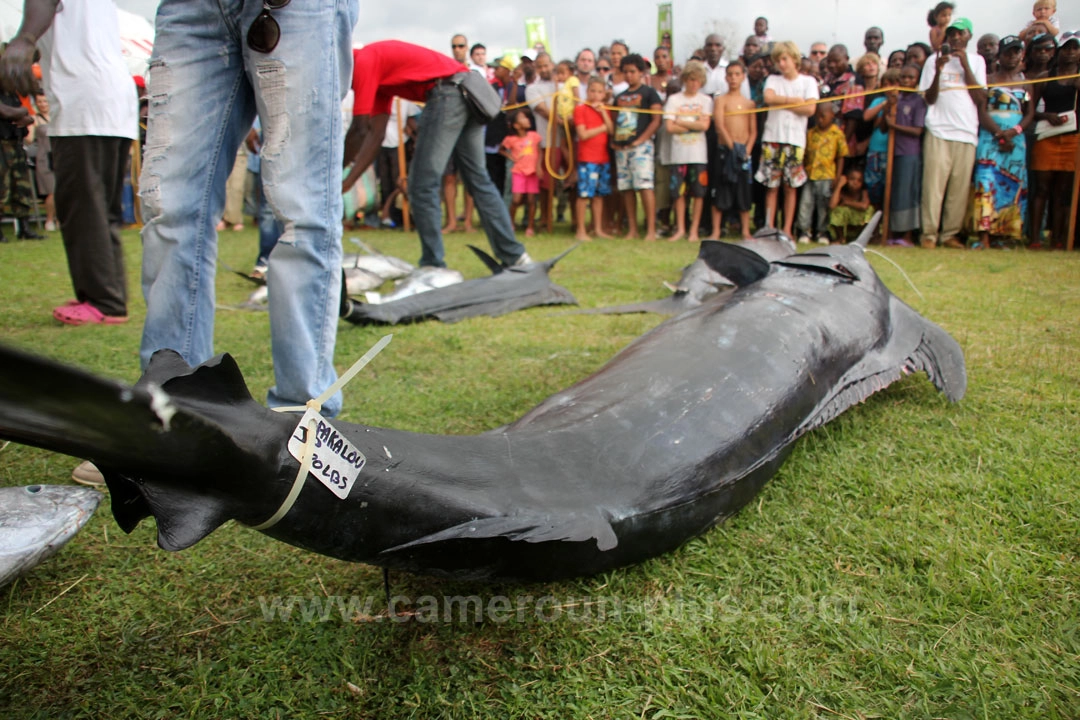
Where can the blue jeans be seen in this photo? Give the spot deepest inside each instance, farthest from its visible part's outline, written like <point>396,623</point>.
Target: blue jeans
<point>205,87</point>
<point>270,228</point>
<point>815,196</point>
<point>446,128</point>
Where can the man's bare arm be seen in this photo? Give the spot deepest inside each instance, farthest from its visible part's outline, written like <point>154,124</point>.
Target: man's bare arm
<point>362,143</point>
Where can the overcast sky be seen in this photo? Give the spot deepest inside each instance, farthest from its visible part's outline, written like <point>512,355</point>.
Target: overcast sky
<point>573,24</point>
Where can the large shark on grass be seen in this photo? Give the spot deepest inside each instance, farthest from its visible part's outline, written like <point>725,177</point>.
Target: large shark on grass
<point>506,290</point>
<point>677,432</point>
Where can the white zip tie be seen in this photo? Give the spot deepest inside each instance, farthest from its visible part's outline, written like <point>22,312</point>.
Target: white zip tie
<point>309,444</point>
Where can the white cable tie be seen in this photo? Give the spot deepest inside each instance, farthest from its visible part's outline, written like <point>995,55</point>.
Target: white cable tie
<point>309,444</point>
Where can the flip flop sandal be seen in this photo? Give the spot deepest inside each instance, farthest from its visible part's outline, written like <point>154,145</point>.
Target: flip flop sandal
<point>84,314</point>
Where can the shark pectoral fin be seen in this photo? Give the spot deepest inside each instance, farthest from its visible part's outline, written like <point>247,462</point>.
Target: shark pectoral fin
<point>940,357</point>
<point>183,517</point>
<point>737,264</point>
<point>529,528</point>
<point>915,345</point>
<point>129,507</point>
<point>492,264</point>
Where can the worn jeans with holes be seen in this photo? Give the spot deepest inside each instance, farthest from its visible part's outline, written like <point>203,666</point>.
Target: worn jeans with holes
<point>205,87</point>
<point>447,127</point>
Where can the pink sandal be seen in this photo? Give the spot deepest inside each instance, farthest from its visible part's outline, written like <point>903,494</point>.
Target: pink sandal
<point>76,313</point>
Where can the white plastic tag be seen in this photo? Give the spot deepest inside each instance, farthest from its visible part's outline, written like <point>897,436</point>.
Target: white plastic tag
<point>335,462</point>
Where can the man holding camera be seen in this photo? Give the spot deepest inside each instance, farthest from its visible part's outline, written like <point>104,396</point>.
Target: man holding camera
<point>952,133</point>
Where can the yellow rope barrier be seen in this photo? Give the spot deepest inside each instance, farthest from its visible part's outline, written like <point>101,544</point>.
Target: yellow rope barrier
<point>753,111</point>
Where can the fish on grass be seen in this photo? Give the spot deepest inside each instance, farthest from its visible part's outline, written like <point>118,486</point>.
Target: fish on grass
<point>703,280</point>
<point>361,272</point>
<point>36,521</point>
<point>506,290</point>
<point>673,435</point>
<point>418,281</point>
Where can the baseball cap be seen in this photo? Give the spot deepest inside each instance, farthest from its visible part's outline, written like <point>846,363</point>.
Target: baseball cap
<point>504,62</point>
<point>1009,41</point>
<point>960,23</point>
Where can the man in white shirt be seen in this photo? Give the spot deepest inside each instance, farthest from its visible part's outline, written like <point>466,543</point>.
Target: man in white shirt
<point>541,98</point>
<point>94,119</point>
<point>715,66</point>
<point>952,133</point>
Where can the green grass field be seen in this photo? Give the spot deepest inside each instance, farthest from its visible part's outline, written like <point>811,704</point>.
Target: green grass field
<point>911,559</point>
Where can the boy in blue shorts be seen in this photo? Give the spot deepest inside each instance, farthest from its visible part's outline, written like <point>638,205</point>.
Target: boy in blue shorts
<point>633,143</point>
<point>594,126</point>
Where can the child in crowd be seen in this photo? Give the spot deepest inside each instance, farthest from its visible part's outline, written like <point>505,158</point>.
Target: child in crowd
<point>568,85</point>
<point>761,31</point>
<point>594,127</point>
<point>523,149</point>
<point>785,132</point>
<point>633,143</point>
<point>877,149</point>
<point>687,115</point>
<point>731,177</point>
<point>565,102</point>
<point>906,119</point>
<point>1044,20</point>
<point>856,128</point>
<point>939,19</point>
<point>850,207</point>
<point>826,149</point>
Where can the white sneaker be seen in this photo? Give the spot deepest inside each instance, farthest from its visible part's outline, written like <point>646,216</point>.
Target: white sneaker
<point>50,226</point>
<point>86,473</point>
<point>523,260</point>
<point>823,240</point>
<point>804,239</point>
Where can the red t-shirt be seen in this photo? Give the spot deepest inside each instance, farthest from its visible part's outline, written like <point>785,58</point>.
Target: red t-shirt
<point>387,68</point>
<point>595,149</point>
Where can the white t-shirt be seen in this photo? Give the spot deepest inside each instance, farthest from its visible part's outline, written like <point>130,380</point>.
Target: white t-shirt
<point>541,92</point>
<point>954,116</point>
<point>689,147</point>
<point>715,79</point>
<point>784,126</point>
<point>89,87</point>
<point>408,110</point>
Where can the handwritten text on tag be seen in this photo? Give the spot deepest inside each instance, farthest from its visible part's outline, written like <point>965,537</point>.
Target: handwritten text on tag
<point>336,462</point>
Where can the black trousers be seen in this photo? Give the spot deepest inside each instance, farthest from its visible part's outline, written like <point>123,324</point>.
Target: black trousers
<point>89,185</point>
<point>386,168</point>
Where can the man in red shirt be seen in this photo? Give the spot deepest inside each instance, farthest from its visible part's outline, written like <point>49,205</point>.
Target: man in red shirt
<point>383,70</point>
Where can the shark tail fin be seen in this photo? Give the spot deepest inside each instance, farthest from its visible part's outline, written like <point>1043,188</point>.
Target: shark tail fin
<point>147,440</point>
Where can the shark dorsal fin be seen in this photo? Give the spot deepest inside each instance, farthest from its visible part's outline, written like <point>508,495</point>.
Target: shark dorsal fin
<point>737,264</point>
<point>868,232</point>
<point>218,379</point>
<point>492,264</point>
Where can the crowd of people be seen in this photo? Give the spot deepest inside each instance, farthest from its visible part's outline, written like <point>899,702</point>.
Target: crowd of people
<point>962,131</point>
<point>773,137</point>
